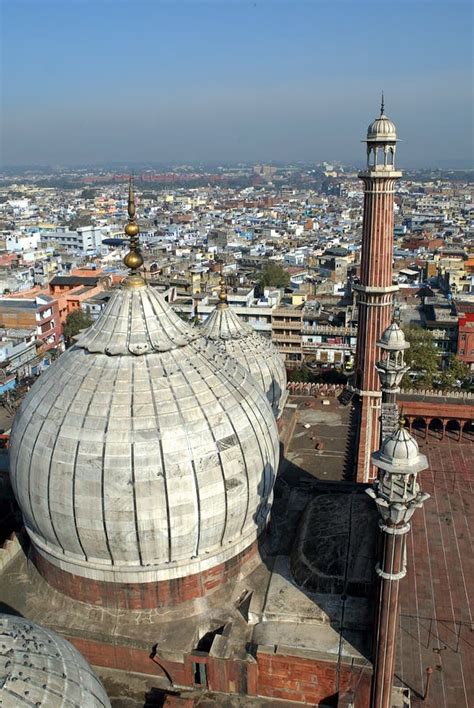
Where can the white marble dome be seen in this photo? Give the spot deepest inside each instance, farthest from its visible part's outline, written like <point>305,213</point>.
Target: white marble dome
<point>393,338</point>
<point>400,447</point>
<point>235,338</point>
<point>143,454</point>
<point>382,129</point>
<point>400,453</point>
<point>40,668</point>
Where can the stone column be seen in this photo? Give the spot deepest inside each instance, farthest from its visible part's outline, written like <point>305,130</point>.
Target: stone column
<point>390,571</point>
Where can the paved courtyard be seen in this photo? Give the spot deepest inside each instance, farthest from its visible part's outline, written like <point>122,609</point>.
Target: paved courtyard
<point>319,440</point>
<point>437,595</point>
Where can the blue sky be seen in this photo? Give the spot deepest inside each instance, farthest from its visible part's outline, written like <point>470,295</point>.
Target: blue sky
<point>227,80</point>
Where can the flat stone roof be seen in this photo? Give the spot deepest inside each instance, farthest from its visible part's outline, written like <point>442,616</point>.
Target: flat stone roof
<point>437,595</point>
<point>320,443</point>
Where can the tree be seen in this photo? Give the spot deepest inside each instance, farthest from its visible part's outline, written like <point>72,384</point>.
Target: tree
<point>76,321</point>
<point>455,375</point>
<point>78,221</point>
<point>300,376</point>
<point>422,358</point>
<point>88,193</point>
<point>273,275</point>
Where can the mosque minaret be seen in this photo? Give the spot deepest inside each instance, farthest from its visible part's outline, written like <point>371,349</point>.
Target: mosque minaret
<point>375,289</point>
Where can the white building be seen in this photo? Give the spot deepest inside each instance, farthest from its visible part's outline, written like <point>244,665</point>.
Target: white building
<point>18,242</point>
<point>84,239</point>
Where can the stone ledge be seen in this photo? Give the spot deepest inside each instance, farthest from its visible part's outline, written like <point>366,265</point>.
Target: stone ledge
<point>9,550</point>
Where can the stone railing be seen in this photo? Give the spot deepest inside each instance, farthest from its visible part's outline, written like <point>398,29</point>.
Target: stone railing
<point>463,395</point>
<point>300,388</point>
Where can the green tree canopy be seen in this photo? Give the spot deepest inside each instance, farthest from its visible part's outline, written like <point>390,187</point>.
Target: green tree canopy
<point>273,275</point>
<point>300,376</point>
<point>455,375</point>
<point>88,193</point>
<point>75,322</point>
<point>422,358</point>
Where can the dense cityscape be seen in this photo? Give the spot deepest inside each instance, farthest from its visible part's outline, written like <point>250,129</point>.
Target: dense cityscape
<point>287,241</point>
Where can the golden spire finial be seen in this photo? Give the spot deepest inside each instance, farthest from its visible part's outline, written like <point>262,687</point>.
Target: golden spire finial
<point>402,421</point>
<point>222,293</point>
<point>133,259</point>
<point>131,200</point>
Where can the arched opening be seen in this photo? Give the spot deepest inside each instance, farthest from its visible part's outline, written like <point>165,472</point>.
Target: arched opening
<point>453,429</point>
<point>468,430</point>
<point>419,427</point>
<point>436,428</point>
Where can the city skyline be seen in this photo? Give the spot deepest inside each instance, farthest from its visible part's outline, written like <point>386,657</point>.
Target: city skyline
<point>190,82</point>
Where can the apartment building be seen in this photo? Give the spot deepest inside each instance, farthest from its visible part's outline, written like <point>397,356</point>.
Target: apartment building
<point>327,345</point>
<point>84,239</point>
<point>465,346</point>
<point>39,312</point>
<point>287,326</point>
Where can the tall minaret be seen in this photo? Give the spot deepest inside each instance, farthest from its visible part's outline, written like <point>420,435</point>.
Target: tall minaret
<point>375,290</point>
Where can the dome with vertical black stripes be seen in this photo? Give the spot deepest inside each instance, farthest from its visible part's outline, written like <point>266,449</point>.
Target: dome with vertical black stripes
<point>142,454</point>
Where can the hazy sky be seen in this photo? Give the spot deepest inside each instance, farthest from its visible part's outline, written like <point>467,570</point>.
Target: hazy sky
<point>227,80</point>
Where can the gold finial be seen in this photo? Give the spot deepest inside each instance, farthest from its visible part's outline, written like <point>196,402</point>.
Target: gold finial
<point>222,293</point>
<point>133,259</point>
<point>402,421</point>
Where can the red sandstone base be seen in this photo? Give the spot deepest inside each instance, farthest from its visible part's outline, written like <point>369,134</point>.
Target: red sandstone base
<point>142,596</point>
<point>287,676</point>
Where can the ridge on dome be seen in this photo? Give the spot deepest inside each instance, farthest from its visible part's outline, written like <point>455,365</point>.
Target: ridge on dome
<point>136,321</point>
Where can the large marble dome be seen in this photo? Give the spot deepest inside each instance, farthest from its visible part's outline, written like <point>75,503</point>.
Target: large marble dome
<point>233,337</point>
<point>143,454</point>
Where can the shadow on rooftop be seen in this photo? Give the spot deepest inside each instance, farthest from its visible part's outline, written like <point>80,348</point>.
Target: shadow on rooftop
<point>321,540</point>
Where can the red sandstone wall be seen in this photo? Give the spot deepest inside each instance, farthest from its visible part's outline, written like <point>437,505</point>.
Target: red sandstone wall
<point>296,678</point>
<point>140,596</point>
<point>281,677</point>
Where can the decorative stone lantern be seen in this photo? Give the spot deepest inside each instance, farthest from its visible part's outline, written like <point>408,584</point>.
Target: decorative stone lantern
<point>391,368</point>
<point>397,494</point>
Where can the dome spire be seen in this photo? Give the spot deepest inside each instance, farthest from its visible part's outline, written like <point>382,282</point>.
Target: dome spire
<point>134,258</point>
<point>382,106</point>
<point>222,294</point>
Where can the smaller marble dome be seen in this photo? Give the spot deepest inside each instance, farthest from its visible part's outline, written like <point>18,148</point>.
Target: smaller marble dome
<point>393,338</point>
<point>382,130</point>
<point>400,452</point>
<point>235,338</point>
<point>40,668</point>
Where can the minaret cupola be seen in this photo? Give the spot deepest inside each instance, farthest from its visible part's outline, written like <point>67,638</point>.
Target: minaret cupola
<point>381,143</point>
